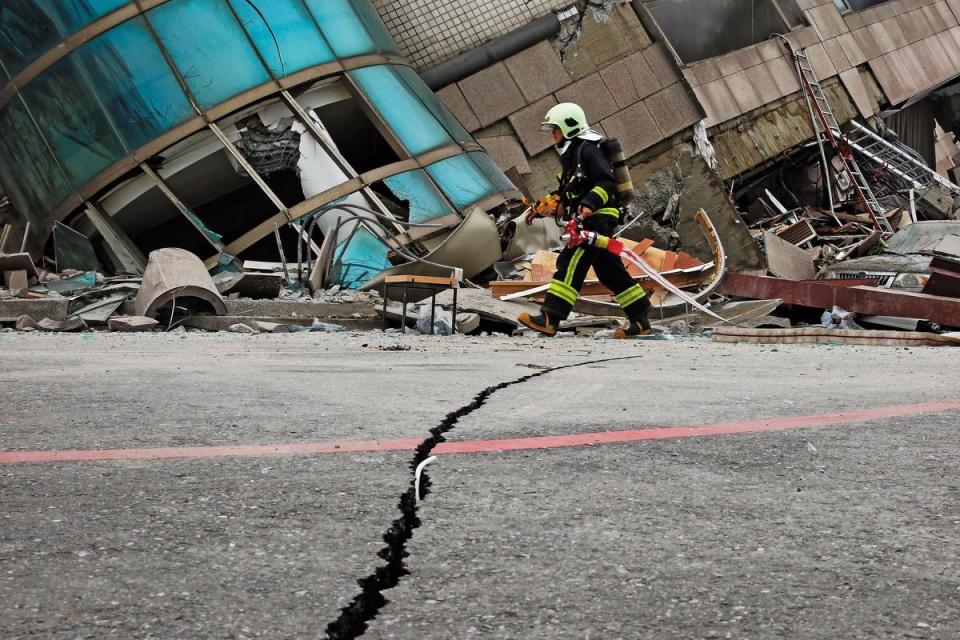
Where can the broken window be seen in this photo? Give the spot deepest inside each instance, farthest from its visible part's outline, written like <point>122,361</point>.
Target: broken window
<point>135,83</point>
<point>209,48</point>
<point>414,198</point>
<point>701,29</point>
<point>461,181</point>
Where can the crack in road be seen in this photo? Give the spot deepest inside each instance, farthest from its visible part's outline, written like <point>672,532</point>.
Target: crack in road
<point>354,618</point>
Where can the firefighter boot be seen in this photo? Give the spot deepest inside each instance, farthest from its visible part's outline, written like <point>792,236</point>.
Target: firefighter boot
<point>639,325</point>
<point>634,330</point>
<point>541,323</point>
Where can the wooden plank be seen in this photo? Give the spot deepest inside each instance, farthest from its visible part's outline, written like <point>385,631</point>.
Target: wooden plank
<point>414,279</point>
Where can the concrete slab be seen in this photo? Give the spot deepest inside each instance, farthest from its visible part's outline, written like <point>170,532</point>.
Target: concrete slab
<point>492,94</point>
<point>837,55</point>
<point>820,61</point>
<point>664,68</point>
<point>718,102</point>
<point>592,94</point>
<point>784,73</point>
<point>749,56</point>
<point>728,64</point>
<point>673,109</point>
<point>634,127</point>
<point>763,82</point>
<point>743,92</point>
<point>506,153</point>
<point>826,19</point>
<point>453,98</point>
<point>868,43</point>
<point>706,71</point>
<point>53,308</point>
<point>538,71</point>
<point>526,123</point>
<point>851,49</point>
<point>630,80</point>
<point>854,85</point>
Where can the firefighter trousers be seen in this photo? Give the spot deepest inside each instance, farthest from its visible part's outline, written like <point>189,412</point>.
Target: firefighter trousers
<point>573,265</point>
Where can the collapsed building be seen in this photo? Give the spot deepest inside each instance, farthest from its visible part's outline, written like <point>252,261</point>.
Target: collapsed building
<point>391,128</point>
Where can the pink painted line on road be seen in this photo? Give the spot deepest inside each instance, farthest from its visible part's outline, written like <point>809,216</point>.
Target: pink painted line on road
<point>840,418</point>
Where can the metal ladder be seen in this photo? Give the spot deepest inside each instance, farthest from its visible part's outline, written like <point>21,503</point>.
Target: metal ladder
<point>902,162</point>
<point>827,128</point>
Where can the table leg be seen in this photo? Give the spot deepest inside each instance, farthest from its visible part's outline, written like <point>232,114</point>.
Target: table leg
<point>403,320</point>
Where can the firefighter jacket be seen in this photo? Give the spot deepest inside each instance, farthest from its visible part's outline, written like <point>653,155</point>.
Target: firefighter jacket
<point>587,179</point>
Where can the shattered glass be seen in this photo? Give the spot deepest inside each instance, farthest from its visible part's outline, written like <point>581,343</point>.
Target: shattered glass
<point>461,181</point>
<point>209,48</point>
<point>284,34</point>
<point>135,83</point>
<point>416,191</point>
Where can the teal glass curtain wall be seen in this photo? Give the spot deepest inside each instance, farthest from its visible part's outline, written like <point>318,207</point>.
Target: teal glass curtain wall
<point>122,89</point>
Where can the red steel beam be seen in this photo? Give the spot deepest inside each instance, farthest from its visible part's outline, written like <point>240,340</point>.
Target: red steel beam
<point>866,300</point>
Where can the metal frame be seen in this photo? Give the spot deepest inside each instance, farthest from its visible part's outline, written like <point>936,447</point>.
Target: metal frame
<point>84,195</point>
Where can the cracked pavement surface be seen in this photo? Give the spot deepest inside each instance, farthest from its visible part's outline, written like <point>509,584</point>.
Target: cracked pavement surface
<point>831,531</point>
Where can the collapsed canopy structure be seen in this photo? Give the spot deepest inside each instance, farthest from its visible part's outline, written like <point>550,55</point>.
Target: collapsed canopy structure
<point>208,124</point>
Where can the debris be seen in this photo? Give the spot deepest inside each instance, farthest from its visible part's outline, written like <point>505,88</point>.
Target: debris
<point>73,324</point>
<point>786,260</point>
<point>272,327</point>
<point>18,261</point>
<point>329,327</point>
<point>442,321</point>
<point>819,335</point>
<point>176,276</point>
<point>132,324</point>
<point>26,323</point>
<point>235,328</point>
<point>826,294</point>
<point>73,250</point>
<point>16,282</point>
<point>54,308</point>
<point>839,319</point>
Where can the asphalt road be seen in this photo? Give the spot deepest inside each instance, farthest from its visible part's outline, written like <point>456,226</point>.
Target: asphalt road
<point>738,491</point>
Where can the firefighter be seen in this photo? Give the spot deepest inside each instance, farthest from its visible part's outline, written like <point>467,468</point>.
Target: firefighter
<point>588,189</point>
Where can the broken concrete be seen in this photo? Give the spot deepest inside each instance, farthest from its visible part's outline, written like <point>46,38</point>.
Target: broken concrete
<point>132,324</point>
<point>176,276</point>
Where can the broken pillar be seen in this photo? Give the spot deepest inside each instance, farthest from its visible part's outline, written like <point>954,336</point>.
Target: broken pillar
<point>176,276</point>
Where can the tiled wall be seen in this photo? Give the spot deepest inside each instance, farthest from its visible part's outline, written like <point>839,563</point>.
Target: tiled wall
<point>628,86</point>
<point>908,45</point>
<point>432,31</point>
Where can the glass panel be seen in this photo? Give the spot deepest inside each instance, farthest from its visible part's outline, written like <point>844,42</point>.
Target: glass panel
<point>209,48</point>
<point>28,171</point>
<point>342,27</point>
<point>375,27</point>
<point>364,257</point>
<point>403,112</point>
<point>73,122</point>
<point>135,83</point>
<point>74,14</point>
<point>417,193</point>
<point>461,181</point>
<point>285,35</point>
<point>437,108</point>
<point>26,31</point>
<point>489,168</point>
